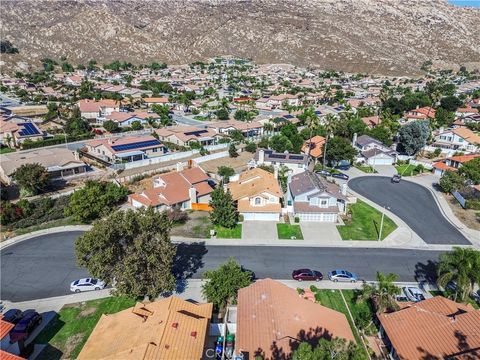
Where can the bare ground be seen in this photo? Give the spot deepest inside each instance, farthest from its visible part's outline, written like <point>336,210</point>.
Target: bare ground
<point>467,216</point>
<point>238,164</point>
<point>197,226</point>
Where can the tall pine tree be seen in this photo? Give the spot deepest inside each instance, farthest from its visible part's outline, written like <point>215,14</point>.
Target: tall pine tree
<point>224,212</point>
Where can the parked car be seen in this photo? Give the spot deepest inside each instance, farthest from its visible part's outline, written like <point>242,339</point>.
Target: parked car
<point>31,319</point>
<point>13,316</point>
<point>475,295</point>
<point>340,176</point>
<point>396,178</point>
<point>343,167</point>
<point>342,275</point>
<point>413,293</point>
<point>324,173</point>
<point>307,275</point>
<point>86,285</point>
<point>401,298</point>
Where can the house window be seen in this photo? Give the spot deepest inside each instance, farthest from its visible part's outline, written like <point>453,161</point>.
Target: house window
<point>324,203</point>
<point>258,201</point>
<point>155,150</point>
<point>460,140</point>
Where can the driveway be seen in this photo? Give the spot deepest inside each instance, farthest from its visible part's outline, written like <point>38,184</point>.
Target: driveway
<point>414,204</point>
<point>259,230</point>
<point>325,233</point>
<point>386,170</point>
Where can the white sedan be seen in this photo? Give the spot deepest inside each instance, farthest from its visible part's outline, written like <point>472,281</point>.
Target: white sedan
<point>86,285</point>
<point>413,293</point>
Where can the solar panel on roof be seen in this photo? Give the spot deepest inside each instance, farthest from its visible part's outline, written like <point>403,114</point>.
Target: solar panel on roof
<point>278,156</point>
<point>288,116</point>
<point>296,157</point>
<point>28,129</point>
<point>318,112</point>
<point>197,132</point>
<point>137,145</point>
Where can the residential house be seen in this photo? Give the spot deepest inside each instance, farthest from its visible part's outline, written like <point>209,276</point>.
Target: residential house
<point>295,163</point>
<point>420,113</point>
<point>466,111</point>
<point>372,121</point>
<point>459,139</point>
<point>129,148</point>
<point>248,129</point>
<point>167,329</point>
<point>271,317</point>
<point>9,351</point>
<point>91,109</point>
<point>257,195</point>
<point>310,197</point>
<point>125,119</point>
<point>185,135</point>
<point>176,189</point>
<point>452,163</point>
<point>59,162</point>
<point>15,130</point>
<point>436,328</point>
<point>279,101</point>
<point>149,101</point>
<point>314,147</point>
<point>373,152</point>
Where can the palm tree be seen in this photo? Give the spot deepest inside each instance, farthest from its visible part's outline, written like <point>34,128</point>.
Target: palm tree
<point>8,140</point>
<point>382,294</point>
<point>268,127</point>
<point>462,265</point>
<point>330,120</point>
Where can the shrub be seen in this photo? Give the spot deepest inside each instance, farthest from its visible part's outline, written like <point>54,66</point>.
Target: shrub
<point>251,147</point>
<point>297,219</point>
<point>177,216</point>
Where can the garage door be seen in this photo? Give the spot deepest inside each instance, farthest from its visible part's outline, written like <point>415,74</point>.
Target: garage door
<point>323,217</point>
<point>377,161</point>
<point>261,216</point>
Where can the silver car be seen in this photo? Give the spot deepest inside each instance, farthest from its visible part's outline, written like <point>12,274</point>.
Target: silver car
<point>413,293</point>
<point>87,284</point>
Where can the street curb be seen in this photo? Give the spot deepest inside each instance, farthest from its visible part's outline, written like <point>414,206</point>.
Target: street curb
<point>34,234</point>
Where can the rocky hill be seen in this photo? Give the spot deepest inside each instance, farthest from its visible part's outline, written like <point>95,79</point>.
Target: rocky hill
<point>378,36</point>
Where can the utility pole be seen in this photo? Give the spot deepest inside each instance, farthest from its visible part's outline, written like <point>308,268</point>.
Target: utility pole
<point>381,223</point>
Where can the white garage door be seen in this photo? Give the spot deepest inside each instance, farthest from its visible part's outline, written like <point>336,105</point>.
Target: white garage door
<point>261,216</point>
<point>377,161</point>
<point>323,217</point>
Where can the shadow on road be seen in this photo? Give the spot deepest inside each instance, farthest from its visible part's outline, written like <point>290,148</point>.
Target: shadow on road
<point>426,272</point>
<point>188,260</point>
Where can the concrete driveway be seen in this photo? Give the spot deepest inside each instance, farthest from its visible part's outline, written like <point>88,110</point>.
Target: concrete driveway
<point>322,232</point>
<point>386,170</point>
<point>414,204</point>
<point>264,230</point>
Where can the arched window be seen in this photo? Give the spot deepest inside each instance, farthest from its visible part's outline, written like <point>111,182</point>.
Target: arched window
<point>258,201</point>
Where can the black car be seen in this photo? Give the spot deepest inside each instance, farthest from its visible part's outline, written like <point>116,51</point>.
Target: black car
<point>341,176</point>
<point>396,178</point>
<point>13,316</point>
<point>31,319</point>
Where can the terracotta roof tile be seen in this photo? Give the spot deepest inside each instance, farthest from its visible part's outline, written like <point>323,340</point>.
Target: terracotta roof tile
<point>254,182</point>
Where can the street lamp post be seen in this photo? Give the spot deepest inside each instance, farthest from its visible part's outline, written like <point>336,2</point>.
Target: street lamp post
<point>381,223</point>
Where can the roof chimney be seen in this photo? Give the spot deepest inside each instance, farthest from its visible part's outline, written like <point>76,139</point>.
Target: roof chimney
<point>261,156</point>
<point>192,194</point>
<point>179,166</point>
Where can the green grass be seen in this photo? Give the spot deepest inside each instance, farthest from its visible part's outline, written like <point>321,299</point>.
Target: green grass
<point>225,233</point>
<point>333,300</point>
<point>68,331</point>
<point>286,231</point>
<point>366,169</point>
<point>365,223</point>
<point>6,150</point>
<point>408,170</point>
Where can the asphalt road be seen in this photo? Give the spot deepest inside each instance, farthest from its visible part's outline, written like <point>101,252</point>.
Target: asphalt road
<point>44,266</point>
<point>414,204</point>
<point>183,120</point>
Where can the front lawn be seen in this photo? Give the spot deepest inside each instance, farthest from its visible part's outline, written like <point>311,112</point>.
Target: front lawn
<point>409,169</point>
<point>6,150</point>
<point>365,223</point>
<point>68,331</point>
<point>286,231</point>
<point>225,233</point>
<point>366,169</point>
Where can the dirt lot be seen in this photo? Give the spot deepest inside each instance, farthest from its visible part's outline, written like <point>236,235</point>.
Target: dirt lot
<point>197,226</point>
<point>471,218</point>
<point>238,164</point>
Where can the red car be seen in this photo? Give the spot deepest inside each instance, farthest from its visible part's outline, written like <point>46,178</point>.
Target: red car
<point>31,319</point>
<point>307,275</point>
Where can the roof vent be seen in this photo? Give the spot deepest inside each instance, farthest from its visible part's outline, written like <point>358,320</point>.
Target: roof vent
<point>193,334</point>
<point>175,325</point>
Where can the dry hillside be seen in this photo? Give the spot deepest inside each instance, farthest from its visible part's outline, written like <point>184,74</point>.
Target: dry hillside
<point>379,36</point>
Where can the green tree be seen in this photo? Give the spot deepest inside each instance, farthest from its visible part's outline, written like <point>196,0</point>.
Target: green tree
<point>241,115</point>
<point>75,125</point>
<point>131,249</point>
<point>111,126</point>
<point>382,294</point>
<point>236,135</point>
<point>225,172</point>
<point>95,199</point>
<point>222,114</point>
<point>382,133</point>
<point>224,212</point>
<point>450,103</point>
<point>221,285</point>
<point>32,178</point>
<point>251,147</point>
<point>136,125</point>
<point>413,137</point>
<point>462,265</point>
<point>444,117</point>
<point>280,143</point>
<point>340,149</point>
<point>471,170</point>
<point>451,181</point>
<point>334,349</point>
<point>232,151</point>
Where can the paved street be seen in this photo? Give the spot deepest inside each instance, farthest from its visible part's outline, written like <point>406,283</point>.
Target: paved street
<point>183,120</point>
<point>44,266</point>
<point>414,204</point>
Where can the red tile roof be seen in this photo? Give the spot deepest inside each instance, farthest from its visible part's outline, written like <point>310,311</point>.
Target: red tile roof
<point>437,327</point>
<point>9,356</point>
<point>5,328</point>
